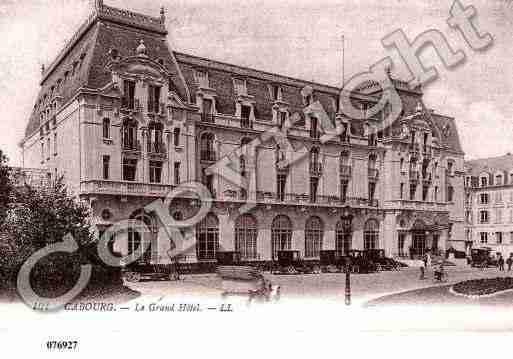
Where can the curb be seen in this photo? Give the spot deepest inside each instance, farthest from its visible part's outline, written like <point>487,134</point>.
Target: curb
<point>476,296</point>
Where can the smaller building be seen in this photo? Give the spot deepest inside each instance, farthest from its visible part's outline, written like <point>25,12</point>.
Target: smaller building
<point>489,204</point>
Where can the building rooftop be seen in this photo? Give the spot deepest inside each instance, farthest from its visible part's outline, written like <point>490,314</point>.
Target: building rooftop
<point>490,164</point>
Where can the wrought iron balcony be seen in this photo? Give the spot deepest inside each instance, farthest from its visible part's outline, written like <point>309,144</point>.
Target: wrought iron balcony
<point>373,174</point>
<point>208,155</point>
<point>316,169</point>
<point>345,171</point>
<point>134,146</point>
<point>156,147</point>
<point>208,117</point>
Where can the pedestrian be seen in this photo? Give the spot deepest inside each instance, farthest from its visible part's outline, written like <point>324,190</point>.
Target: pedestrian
<point>501,263</point>
<point>509,261</point>
<point>423,267</point>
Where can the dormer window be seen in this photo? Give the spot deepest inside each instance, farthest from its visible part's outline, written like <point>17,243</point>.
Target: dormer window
<point>450,168</point>
<point>240,86</point>
<point>484,182</point>
<point>202,78</point>
<point>276,93</point>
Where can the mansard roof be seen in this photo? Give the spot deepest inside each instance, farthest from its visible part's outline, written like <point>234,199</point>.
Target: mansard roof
<point>490,165</point>
<point>81,64</point>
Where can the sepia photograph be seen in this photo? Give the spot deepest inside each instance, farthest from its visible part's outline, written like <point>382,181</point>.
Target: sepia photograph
<point>256,178</point>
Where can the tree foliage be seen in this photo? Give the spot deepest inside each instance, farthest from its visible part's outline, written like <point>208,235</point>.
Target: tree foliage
<point>5,185</point>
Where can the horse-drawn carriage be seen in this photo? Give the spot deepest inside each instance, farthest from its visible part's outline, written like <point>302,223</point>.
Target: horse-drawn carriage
<point>332,261</point>
<point>290,262</point>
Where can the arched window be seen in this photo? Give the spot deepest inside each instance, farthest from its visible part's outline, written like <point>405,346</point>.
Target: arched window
<point>135,240</point>
<point>246,231</point>
<point>155,144</point>
<point>207,147</point>
<point>343,235</point>
<point>281,233</point>
<point>176,136</point>
<point>106,128</point>
<point>129,134</point>
<point>371,234</point>
<point>314,231</point>
<point>207,237</point>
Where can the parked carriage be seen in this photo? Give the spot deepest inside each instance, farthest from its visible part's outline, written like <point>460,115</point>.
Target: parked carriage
<point>332,261</point>
<point>482,257</point>
<point>360,263</point>
<point>382,262</point>
<point>290,262</point>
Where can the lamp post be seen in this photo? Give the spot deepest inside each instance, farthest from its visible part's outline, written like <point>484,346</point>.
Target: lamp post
<point>348,282</point>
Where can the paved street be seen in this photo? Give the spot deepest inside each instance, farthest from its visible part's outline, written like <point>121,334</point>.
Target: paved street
<point>325,287</point>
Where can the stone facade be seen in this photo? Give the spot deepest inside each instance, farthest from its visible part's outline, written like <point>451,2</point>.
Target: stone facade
<point>489,204</point>
<point>126,119</point>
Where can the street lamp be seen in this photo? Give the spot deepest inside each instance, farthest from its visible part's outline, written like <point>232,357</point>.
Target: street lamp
<point>348,281</point>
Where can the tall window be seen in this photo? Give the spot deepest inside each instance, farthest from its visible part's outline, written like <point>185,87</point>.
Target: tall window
<point>281,180</point>
<point>343,190</point>
<point>450,193</point>
<point>282,119</point>
<point>176,136</point>
<point>314,188</point>
<point>240,86</point>
<point>135,241</point>
<point>153,98</point>
<point>401,190</point>
<point>313,237</point>
<point>372,190</point>
<point>244,116</point>
<point>106,160</point>
<point>343,236</point>
<point>483,216</point>
<point>315,164</point>
<point>484,237</point>
<point>129,169</point>
<point>55,143</point>
<point>155,143</point>
<point>281,234</point>
<point>177,172</point>
<point>314,131</point>
<point>129,134</point>
<point>208,181</point>
<point>242,166</point>
<point>276,93</point>
<point>498,237</point>
<point>106,128</point>
<point>483,198</point>
<point>425,191</point>
<point>207,147</point>
<point>128,94</point>
<point>155,171</point>
<point>371,234</point>
<point>413,189</point>
<point>246,236</point>
<point>207,238</point>
<point>484,182</point>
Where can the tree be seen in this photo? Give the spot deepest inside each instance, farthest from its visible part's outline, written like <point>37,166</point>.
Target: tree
<point>39,216</point>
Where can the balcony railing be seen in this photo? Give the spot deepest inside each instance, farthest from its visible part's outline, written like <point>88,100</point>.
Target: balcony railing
<point>303,198</point>
<point>373,174</point>
<point>208,117</point>
<point>131,146</point>
<point>345,171</point>
<point>156,147</point>
<point>207,155</point>
<point>128,103</point>
<point>246,123</point>
<point>124,188</point>
<point>315,168</point>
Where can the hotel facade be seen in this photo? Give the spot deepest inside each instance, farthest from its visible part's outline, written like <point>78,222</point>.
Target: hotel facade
<point>489,204</point>
<point>125,119</point>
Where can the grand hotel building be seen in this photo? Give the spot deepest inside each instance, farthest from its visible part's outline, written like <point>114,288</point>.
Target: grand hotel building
<point>125,119</point>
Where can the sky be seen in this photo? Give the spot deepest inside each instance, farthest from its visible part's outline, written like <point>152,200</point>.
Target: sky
<point>301,39</point>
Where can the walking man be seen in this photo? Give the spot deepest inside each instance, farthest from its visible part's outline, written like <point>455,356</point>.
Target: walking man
<point>509,261</point>
<point>501,263</point>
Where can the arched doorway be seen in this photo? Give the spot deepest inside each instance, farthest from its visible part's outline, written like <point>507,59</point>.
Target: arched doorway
<point>207,237</point>
<point>343,235</point>
<point>281,233</point>
<point>418,233</point>
<point>314,231</point>
<point>135,240</point>
<point>246,231</point>
<point>371,234</point>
